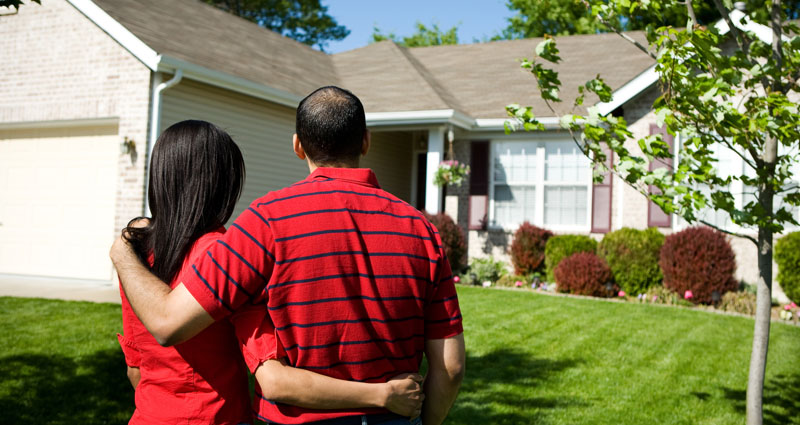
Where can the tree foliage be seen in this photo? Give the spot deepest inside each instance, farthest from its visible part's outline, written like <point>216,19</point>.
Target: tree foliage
<point>424,36</point>
<point>743,101</point>
<point>306,21</point>
<point>15,3</point>
<point>535,18</point>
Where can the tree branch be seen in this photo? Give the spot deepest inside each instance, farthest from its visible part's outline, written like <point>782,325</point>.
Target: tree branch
<point>738,235</point>
<point>737,35</point>
<point>608,25</point>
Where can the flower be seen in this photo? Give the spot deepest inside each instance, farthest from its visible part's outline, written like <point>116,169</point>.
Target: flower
<point>655,297</point>
<point>621,293</point>
<point>456,279</point>
<point>787,307</point>
<point>518,283</point>
<point>487,284</point>
<point>688,295</point>
<point>793,305</point>
<point>450,172</point>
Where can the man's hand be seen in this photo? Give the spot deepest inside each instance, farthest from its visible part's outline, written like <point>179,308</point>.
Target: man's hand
<point>171,316</point>
<point>122,251</point>
<point>405,395</point>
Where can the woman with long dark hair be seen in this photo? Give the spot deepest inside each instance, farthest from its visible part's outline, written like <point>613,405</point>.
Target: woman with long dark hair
<point>196,177</point>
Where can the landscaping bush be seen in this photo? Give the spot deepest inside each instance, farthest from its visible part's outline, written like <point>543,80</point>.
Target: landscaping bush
<point>584,273</point>
<point>700,260</point>
<point>739,302</point>
<point>527,248</point>
<point>453,240</point>
<point>660,295</point>
<point>562,246</point>
<point>487,269</point>
<point>632,255</point>
<point>787,255</point>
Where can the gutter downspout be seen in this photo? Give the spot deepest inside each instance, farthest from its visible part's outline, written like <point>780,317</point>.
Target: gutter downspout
<point>155,124</point>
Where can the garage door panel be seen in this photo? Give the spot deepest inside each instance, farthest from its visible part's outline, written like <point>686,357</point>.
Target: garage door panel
<point>58,197</point>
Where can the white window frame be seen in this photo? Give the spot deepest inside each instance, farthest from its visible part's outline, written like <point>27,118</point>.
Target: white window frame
<point>540,185</point>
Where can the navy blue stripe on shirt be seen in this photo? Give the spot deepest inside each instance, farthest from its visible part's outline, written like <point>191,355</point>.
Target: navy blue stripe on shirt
<point>370,233</point>
<point>328,192</point>
<point>366,341</point>
<point>343,275</point>
<point>230,278</point>
<point>445,320</point>
<point>338,322</point>
<point>335,299</point>
<point>239,256</point>
<point>252,238</point>
<point>197,272</point>
<point>332,365</point>
<point>444,300</point>
<point>311,181</point>
<point>338,210</point>
<point>252,210</point>
<point>371,254</point>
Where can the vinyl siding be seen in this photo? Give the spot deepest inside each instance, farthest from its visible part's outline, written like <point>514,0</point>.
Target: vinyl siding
<point>391,158</point>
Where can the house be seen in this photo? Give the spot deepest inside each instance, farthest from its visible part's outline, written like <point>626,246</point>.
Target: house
<point>87,85</point>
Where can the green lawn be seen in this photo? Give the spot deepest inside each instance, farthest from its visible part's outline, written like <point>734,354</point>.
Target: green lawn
<point>531,358</point>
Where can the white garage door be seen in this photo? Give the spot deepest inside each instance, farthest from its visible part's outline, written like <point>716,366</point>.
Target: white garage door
<point>57,197</point>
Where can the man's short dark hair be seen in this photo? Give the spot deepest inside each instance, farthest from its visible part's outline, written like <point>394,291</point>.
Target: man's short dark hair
<point>331,125</point>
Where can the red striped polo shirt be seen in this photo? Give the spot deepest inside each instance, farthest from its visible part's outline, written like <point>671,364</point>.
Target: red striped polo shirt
<point>355,280</point>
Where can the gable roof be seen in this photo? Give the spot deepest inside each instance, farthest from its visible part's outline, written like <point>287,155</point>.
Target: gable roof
<point>203,35</point>
<point>467,85</point>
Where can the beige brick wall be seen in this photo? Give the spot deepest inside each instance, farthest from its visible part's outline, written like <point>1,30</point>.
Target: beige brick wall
<point>58,65</point>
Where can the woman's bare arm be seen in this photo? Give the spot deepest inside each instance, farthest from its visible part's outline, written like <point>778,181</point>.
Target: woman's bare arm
<point>283,383</point>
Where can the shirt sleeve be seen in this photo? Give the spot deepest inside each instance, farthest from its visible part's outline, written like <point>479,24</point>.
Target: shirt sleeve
<point>235,268</point>
<point>256,335</point>
<point>133,357</point>
<point>442,314</point>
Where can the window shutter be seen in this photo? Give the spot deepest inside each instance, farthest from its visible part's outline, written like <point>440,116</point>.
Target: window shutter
<point>479,185</point>
<point>656,217</point>
<point>601,197</point>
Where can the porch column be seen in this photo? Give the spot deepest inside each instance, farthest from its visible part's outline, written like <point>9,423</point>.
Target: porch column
<point>433,193</point>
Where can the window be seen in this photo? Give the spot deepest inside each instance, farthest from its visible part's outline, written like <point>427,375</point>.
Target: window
<point>546,183</point>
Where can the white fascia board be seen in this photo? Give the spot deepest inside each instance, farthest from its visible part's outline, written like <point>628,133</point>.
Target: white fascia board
<point>81,122</point>
<point>499,123</point>
<point>209,76</point>
<point>426,117</point>
<point>125,38</point>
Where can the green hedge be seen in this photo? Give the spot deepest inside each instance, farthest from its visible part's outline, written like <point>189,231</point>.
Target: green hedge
<point>633,257</point>
<point>787,255</point>
<point>562,246</point>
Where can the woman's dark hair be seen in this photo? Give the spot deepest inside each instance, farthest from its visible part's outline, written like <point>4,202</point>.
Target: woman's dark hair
<point>196,177</point>
<point>331,124</point>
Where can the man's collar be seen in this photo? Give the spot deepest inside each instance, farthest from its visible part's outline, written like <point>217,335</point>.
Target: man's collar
<point>363,176</point>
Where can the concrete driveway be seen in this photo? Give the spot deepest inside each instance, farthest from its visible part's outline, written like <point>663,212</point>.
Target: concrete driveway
<point>64,289</point>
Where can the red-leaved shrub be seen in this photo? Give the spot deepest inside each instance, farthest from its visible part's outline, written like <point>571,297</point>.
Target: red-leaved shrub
<point>584,273</point>
<point>700,260</point>
<point>527,248</point>
<point>453,240</point>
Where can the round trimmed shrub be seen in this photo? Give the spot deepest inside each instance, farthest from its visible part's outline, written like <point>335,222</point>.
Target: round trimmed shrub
<point>453,240</point>
<point>787,255</point>
<point>698,259</point>
<point>560,247</point>
<point>584,273</point>
<point>633,256</point>
<point>527,248</point>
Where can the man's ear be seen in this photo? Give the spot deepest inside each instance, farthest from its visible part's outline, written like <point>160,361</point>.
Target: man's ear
<point>366,142</point>
<point>297,147</point>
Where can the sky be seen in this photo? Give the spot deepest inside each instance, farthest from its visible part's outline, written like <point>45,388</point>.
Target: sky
<point>476,19</point>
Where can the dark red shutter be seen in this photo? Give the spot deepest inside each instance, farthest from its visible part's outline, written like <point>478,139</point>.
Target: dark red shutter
<point>479,185</point>
<point>656,217</point>
<point>601,197</point>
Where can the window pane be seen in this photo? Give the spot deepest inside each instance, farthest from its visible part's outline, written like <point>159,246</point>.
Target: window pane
<point>564,162</point>
<point>514,162</point>
<point>513,205</point>
<point>565,205</point>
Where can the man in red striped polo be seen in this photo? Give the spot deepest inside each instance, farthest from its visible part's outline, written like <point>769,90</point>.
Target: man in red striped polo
<point>356,282</point>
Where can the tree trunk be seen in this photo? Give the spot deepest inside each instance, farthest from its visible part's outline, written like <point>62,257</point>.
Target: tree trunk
<point>758,357</point>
